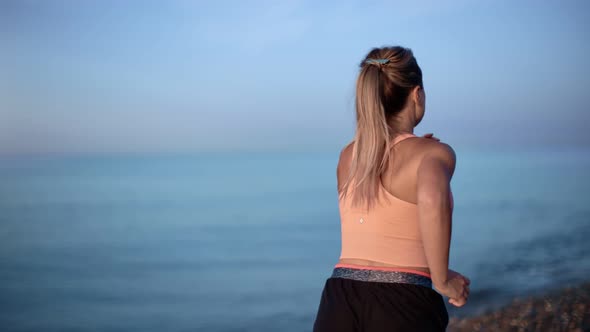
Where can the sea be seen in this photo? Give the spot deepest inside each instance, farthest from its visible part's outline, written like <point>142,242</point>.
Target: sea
<point>244,241</point>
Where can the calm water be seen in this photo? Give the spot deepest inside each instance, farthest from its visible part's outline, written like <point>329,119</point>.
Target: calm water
<point>244,242</point>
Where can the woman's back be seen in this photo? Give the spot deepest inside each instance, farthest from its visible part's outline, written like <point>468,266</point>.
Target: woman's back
<point>389,234</point>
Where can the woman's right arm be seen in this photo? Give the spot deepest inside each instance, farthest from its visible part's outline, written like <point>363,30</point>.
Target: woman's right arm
<point>434,208</point>
<point>435,219</point>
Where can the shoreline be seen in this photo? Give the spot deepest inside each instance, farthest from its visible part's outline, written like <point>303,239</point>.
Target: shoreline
<point>564,309</point>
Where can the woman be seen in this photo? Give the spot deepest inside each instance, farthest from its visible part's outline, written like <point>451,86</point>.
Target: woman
<point>396,208</point>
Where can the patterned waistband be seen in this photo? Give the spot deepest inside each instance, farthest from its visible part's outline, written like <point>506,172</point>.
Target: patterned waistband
<point>381,276</point>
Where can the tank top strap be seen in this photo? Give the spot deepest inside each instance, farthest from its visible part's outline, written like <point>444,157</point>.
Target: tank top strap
<point>401,137</point>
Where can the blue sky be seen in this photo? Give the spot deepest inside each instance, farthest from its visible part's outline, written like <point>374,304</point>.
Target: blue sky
<point>142,76</point>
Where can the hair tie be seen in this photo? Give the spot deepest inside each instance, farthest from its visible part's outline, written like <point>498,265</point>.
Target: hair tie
<point>377,61</point>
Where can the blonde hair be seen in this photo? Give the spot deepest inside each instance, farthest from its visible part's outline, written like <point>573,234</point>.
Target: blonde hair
<point>382,90</point>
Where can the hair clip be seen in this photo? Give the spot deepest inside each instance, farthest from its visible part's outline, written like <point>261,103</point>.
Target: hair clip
<point>377,61</point>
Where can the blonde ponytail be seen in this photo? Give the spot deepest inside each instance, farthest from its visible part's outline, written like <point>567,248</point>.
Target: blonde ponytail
<point>382,87</point>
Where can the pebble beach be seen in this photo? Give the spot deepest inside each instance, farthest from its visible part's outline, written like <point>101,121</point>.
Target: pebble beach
<point>566,309</point>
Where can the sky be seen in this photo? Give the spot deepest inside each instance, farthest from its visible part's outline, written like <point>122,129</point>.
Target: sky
<point>104,76</point>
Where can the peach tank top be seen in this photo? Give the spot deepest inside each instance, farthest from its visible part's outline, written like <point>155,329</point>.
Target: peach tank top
<point>388,233</point>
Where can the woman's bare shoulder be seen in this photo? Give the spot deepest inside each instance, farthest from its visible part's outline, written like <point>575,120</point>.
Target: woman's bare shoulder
<point>441,151</point>
<point>345,156</point>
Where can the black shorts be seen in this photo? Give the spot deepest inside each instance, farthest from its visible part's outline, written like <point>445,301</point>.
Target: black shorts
<point>349,305</point>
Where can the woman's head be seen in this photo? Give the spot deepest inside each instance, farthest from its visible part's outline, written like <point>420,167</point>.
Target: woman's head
<point>390,99</point>
<point>389,81</point>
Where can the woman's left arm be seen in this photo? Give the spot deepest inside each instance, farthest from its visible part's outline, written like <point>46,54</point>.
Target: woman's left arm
<point>431,135</point>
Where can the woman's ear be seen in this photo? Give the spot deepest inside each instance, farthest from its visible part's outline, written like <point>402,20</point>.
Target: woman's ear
<point>417,94</point>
